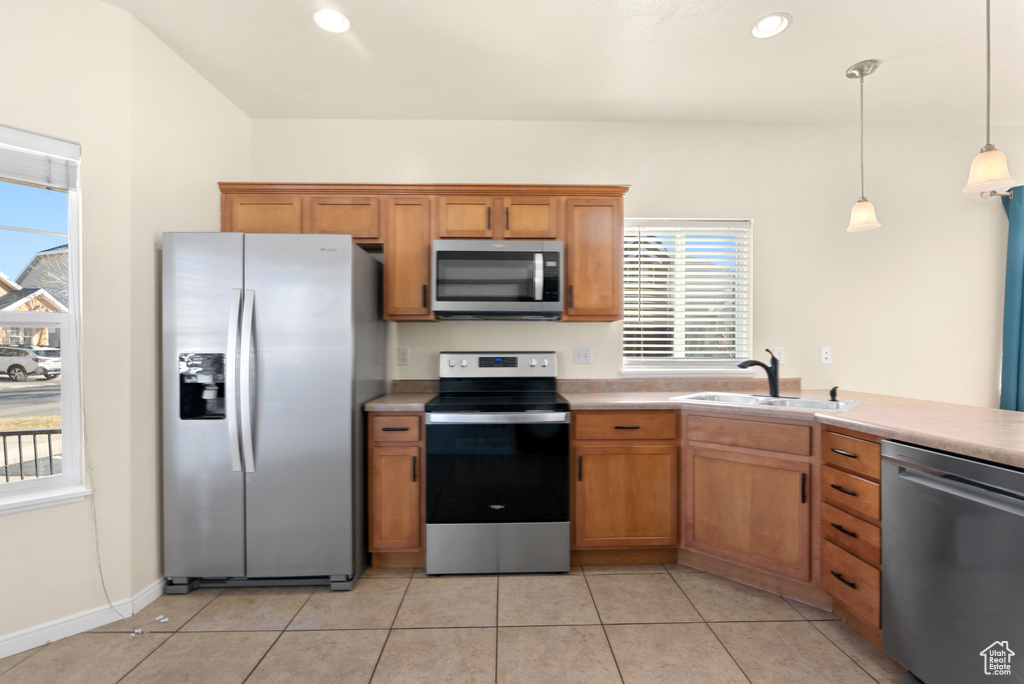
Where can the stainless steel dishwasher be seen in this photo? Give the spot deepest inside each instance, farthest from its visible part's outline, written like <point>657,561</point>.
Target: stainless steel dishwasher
<point>952,566</point>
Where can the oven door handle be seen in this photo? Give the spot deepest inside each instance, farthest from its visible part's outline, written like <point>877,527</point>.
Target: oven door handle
<point>439,418</point>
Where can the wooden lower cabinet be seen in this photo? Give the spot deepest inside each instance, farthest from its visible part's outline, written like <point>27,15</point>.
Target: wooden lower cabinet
<point>750,508</point>
<point>395,483</point>
<point>626,496</point>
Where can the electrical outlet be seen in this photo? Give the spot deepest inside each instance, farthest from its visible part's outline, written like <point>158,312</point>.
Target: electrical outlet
<point>826,354</point>
<point>780,354</point>
<point>403,356</point>
<point>581,355</point>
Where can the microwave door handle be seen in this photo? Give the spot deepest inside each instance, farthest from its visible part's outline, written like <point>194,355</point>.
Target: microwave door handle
<point>538,276</point>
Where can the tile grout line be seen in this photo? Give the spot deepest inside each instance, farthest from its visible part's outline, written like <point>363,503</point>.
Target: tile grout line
<point>390,628</point>
<point>841,649</point>
<point>713,633</point>
<point>604,630</point>
<point>279,635</point>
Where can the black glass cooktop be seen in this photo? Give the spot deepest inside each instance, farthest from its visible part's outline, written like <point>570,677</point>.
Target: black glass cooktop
<point>495,402</point>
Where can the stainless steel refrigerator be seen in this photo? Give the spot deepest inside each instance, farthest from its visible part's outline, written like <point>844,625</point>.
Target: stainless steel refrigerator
<point>272,344</point>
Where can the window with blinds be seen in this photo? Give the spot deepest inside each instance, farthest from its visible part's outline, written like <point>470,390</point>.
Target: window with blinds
<point>687,294</point>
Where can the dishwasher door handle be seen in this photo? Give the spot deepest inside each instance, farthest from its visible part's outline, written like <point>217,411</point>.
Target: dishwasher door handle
<point>965,489</point>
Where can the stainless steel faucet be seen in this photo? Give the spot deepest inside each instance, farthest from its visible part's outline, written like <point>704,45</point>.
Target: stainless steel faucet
<point>772,371</point>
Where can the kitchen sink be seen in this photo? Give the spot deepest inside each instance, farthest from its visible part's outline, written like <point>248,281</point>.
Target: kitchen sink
<point>721,398</point>
<point>762,400</point>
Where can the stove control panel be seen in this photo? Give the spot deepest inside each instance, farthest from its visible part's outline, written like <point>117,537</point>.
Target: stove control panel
<point>473,364</point>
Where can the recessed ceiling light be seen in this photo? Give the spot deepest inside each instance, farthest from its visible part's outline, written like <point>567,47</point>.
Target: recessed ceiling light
<point>771,25</point>
<point>332,20</point>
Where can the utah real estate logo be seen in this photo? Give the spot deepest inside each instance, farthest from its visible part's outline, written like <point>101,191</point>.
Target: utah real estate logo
<point>997,658</point>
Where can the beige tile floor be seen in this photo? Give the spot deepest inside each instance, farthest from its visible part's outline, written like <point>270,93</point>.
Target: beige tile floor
<point>627,624</point>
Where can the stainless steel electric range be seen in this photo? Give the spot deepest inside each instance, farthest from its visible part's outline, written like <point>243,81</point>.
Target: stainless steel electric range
<point>497,465</point>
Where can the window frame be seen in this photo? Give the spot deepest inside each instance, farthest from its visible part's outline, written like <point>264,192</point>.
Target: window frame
<point>723,366</point>
<point>67,486</point>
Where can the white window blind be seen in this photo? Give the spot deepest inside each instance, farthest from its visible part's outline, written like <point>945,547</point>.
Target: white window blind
<point>687,294</point>
<point>38,160</point>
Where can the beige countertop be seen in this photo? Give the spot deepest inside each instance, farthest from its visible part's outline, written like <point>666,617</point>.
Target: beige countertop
<point>984,433</point>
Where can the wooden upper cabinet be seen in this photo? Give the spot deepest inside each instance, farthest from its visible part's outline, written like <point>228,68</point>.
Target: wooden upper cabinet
<point>465,217</point>
<point>593,259</point>
<point>345,215</point>
<point>407,259</point>
<point>257,213</point>
<point>530,218</point>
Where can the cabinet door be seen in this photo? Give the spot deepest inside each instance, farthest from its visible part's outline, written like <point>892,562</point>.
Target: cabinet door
<point>751,509</point>
<point>625,496</point>
<point>396,478</point>
<point>407,259</point>
<point>532,218</point>
<point>593,258</point>
<point>465,217</point>
<point>355,216</point>
<point>267,213</point>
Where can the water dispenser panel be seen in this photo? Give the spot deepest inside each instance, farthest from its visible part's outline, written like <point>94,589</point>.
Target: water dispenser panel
<point>201,386</point>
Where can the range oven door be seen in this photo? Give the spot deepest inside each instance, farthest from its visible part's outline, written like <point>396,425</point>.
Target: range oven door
<point>500,278</point>
<point>497,492</point>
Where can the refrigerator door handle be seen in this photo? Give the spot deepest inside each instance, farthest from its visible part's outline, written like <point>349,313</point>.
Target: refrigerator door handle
<point>231,381</point>
<point>245,384</point>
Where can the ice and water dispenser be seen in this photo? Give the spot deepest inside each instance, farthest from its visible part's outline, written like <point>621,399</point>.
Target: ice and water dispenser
<point>201,386</point>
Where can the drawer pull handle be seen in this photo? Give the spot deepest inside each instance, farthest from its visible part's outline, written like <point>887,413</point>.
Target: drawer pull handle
<point>393,429</point>
<point>852,585</point>
<point>413,468</point>
<point>844,490</point>
<point>844,453</point>
<point>844,530</point>
<point>627,427</point>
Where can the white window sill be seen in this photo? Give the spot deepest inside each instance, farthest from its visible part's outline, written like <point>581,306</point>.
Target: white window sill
<point>41,498</point>
<point>709,372</point>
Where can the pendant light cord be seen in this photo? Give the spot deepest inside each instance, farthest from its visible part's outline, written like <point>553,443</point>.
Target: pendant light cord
<point>862,137</point>
<point>988,72</point>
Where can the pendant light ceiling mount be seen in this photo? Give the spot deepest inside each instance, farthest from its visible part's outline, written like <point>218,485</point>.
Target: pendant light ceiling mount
<point>862,216</point>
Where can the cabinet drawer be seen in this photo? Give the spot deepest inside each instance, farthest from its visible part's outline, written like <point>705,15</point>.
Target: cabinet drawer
<point>860,538</point>
<point>852,582</point>
<point>625,424</point>
<point>856,455</point>
<point>851,493</point>
<point>752,434</point>
<point>395,429</point>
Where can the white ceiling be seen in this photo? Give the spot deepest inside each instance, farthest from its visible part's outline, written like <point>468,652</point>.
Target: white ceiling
<point>607,60</point>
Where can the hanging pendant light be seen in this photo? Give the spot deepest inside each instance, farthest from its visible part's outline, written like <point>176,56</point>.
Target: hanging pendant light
<point>989,174</point>
<point>862,217</point>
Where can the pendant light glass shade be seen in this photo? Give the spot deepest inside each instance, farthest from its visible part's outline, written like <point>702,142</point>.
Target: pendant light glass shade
<point>862,217</point>
<point>989,172</point>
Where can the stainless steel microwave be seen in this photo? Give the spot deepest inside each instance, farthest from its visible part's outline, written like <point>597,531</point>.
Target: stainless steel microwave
<point>497,279</point>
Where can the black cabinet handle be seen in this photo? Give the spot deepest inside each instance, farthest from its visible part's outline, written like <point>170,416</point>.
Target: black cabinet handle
<point>579,468</point>
<point>845,531</point>
<point>627,427</point>
<point>571,298</point>
<point>844,490</point>
<point>803,487</point>
<point>488,218</point>
<point>844,453</point>
<point>413,468</point>
<point>424,296</point>
<point>405,429</point>
<point>852,585</point>
<point>506,218</point>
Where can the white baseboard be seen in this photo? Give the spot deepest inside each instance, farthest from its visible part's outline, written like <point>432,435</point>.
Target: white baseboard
<point>39,635</point>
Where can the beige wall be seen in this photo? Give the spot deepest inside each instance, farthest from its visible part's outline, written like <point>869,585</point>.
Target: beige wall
<point>155,137</point>
<point>913,309</point>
